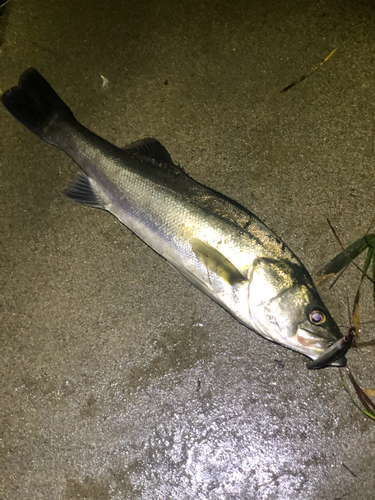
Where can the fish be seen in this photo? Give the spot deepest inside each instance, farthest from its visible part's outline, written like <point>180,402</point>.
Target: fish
<point>222,248</point>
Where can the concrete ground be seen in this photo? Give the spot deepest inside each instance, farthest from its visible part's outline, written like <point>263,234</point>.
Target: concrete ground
<point>119,379</point>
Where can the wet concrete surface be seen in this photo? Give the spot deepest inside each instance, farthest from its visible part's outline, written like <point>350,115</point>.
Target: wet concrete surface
<point>119,379</point>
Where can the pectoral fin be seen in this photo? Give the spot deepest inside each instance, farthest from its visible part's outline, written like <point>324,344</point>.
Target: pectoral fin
<point>216,262</point>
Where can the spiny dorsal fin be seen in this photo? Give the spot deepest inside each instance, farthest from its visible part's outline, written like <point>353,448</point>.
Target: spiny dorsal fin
<point>216,262</point>
<point>82,191</point>
<point>150,148</point>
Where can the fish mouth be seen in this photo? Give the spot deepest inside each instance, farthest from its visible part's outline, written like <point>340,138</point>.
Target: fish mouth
<point>307,339</point>
<point>334,355</point>
<point>323,352</point>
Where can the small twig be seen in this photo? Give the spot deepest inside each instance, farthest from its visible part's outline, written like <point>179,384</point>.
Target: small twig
<point>355,315</point>
<point>4,4</point>
<point>308,74</point>
<point>366,343</point>
<point>39,46</point>
<point>347,468</point>
<point>338,277</point>
<point>370,225</point>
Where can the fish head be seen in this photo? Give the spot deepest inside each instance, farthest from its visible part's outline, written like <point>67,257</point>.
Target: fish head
<point>286,307</point>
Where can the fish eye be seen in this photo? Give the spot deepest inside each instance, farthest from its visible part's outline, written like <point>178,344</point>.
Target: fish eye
<point>317,317</point>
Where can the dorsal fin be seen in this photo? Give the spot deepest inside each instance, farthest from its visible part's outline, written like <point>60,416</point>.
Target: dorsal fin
<point>150,148</point>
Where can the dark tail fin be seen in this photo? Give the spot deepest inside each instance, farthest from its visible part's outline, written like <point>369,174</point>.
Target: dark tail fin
<point>36,105</point>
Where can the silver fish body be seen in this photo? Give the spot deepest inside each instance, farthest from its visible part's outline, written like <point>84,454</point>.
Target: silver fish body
<point>221,247</point>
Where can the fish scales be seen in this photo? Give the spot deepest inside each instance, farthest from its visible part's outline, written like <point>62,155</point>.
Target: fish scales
<point>220,246</point>
<point>168,204</point>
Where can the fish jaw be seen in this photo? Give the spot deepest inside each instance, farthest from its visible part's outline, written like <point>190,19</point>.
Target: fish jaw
<point>284,304</point>
<point>308,343</point>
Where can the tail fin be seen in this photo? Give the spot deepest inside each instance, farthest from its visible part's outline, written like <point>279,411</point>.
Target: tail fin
<point>36,105</point>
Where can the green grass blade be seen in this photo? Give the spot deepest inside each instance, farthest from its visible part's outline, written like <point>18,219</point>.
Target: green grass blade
<point>363,410</point>
<point>345,257</point>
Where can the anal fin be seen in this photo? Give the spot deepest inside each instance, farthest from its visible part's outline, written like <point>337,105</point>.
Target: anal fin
<point>83,191</point>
